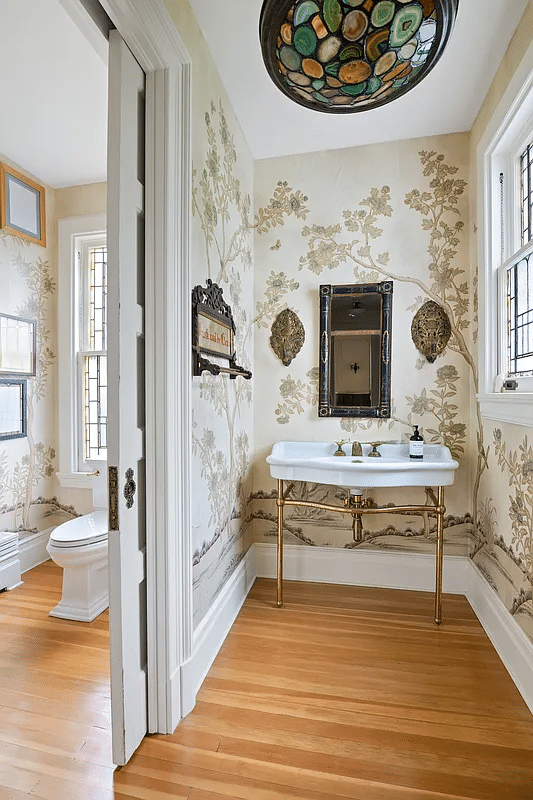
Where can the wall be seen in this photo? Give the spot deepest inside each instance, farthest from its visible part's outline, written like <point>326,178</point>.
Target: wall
<point>28,277</point>
<point>81,201</point>
<point>363,214</point>
<point>221,249</point>
<point>503,547</point>
<point>30,496</point>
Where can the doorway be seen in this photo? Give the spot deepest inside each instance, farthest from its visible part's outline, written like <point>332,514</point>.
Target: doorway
<point>155,44</point>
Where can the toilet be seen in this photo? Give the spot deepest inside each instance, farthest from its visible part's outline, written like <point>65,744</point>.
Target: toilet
<point>79,546</point>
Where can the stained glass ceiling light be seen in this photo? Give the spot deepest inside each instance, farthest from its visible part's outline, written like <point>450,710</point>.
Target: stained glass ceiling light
<point>342,56</point>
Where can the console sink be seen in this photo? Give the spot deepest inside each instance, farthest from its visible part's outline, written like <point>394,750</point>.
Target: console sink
<point>315,462</point>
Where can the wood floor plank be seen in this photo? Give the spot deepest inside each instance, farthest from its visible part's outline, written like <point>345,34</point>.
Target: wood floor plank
<point>96,712</point>
<point>382,726</point>
<point>43,763</point>
<point>250,779</point>
<point>13,794</point>
<point>356,753</point>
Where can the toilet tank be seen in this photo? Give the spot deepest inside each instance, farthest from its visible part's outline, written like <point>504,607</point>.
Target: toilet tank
<point>100,489</point>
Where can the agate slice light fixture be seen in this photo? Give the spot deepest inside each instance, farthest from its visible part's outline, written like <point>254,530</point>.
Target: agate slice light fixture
<point>342,56</point>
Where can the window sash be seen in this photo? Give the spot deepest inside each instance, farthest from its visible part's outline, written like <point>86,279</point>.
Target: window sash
<point>520,317</point>
<point>92,408</point>
<point>509,313</point>
<point>91,394</point>
<point>526,194</point>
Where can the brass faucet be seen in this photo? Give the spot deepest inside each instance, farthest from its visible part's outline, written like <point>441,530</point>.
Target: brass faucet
<point>357,449</point>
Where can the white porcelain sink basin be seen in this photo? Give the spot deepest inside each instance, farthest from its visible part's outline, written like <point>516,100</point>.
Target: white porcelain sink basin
<point>314,461</point>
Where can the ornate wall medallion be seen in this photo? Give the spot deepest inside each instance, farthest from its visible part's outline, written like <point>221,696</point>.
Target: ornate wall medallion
<point>288,336</point>
<point>431,330</point>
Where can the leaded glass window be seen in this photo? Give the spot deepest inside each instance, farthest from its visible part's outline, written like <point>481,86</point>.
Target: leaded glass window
<point>519,279</point>
<point>520,316</point>
<point>93,352</point>
<point>526,193</point>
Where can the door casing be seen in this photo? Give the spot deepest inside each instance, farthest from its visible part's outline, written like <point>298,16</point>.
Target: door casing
<point>154,41</point>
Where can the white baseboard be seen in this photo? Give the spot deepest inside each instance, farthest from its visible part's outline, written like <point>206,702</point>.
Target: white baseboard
<point>9,561</point>
<point>392,570</point>
<point>32,549</point>
<point>509,640</point>
<point>10,573</point>
<point>213,629</point>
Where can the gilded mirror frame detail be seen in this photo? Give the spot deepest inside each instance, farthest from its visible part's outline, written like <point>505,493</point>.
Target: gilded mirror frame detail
<point>380,405</point>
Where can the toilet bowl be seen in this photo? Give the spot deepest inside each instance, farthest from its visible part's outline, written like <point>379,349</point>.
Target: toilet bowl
<point>79,546</point>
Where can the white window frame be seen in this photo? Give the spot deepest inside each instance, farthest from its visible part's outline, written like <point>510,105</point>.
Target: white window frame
<point>73,233</point>
<point>83,244</point>
<point>505,138</point>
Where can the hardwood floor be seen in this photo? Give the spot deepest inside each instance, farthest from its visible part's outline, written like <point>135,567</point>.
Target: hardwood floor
<point>346,692</point>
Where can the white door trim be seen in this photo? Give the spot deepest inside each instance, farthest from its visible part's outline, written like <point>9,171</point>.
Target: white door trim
<point>153,39</point>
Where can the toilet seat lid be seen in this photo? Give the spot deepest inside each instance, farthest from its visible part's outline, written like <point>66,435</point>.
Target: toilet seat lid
<point>73,542</point>
<point>89,529</point>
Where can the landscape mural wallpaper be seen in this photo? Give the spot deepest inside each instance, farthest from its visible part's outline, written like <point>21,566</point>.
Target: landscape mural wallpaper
<point>222,418</point>
<point>222,424</point>
<point>28,502</point>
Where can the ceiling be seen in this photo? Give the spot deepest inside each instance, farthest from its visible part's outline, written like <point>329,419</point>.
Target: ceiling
<point>446,101</point>
<point>53,87</point>
<point>53,94</point>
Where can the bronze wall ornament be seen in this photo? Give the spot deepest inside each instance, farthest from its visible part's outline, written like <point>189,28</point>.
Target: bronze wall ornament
<point>431,330</point>
<point>287,336</point>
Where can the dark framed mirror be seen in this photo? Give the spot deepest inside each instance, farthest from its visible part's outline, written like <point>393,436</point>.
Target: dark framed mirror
<point>355,350</point>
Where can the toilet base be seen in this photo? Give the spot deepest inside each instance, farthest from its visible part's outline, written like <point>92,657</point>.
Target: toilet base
<point>85,581</point>
<point>64,611</point>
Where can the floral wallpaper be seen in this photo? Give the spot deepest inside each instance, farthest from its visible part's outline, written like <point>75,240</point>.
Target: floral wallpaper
<point>27,466</point>
<point>364,215</point>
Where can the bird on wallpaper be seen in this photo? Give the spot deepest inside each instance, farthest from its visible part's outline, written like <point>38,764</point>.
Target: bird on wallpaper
<point>276,246</point>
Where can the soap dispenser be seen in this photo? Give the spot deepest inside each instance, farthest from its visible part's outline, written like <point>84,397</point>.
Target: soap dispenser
<point>416,444</point>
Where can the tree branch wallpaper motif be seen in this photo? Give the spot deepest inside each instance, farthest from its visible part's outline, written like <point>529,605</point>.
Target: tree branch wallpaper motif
<point>25,465</point>
<point>353,242</point>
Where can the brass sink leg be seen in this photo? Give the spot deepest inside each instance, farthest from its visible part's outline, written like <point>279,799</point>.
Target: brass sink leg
<point>438,581</point>
<point>280,502</point>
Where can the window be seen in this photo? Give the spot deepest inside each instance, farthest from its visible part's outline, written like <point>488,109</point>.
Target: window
<point>505,200</point>
<point>516,272</point>
<point>91,391</point>
<point>82,349</point>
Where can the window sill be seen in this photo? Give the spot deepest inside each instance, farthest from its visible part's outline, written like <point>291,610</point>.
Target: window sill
<point>515,408</point>
<point>75,480</point>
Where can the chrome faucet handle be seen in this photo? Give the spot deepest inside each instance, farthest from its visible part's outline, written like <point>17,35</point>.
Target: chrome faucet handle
<point>339,451</point>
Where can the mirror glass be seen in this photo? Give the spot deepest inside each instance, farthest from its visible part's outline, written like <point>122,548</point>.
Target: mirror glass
<point>355,347</point>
